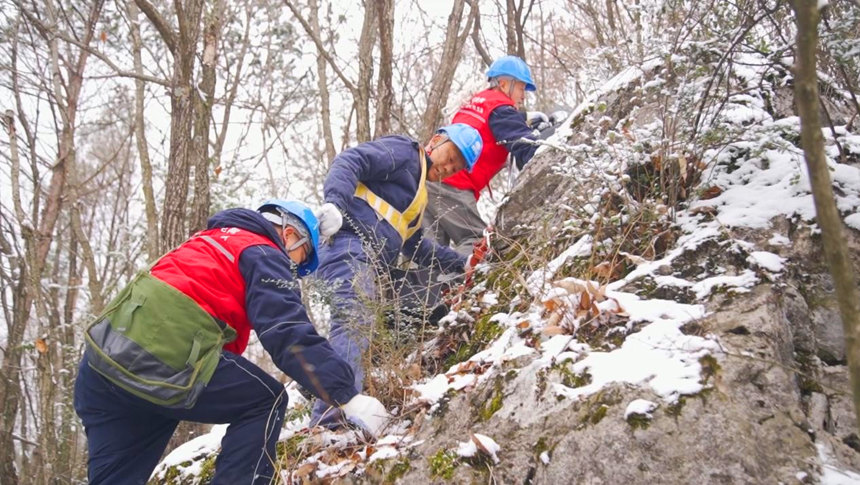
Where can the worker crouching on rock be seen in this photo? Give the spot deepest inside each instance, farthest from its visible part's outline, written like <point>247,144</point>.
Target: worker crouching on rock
<point>375,197</point>
<point>168,349</point>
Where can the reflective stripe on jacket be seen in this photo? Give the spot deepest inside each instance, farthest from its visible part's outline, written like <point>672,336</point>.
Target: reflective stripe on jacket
<point>206,269</point>
<point>390,167</point>
<point>408,222</point>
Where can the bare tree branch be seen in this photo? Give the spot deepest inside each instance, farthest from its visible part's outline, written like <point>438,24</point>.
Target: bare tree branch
<point>320,47</point>
<point>140,137</point>
<point>322,86</point>
<point>160,24</point>
<point>49,33</point>
<point>476,35</point>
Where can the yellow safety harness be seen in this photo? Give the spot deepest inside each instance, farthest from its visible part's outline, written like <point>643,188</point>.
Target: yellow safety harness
<point>408,222</point>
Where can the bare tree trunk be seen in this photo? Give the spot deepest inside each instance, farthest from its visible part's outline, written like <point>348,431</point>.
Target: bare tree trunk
<point>203,115</point>
<point>511,45</point>
<point>183,45</point>
<point>66,93</point>
<point>152,239</point>
<point>322,86</point>
<point>835,248</point>
<point>444,75</point>
<point>10,392</point>
<point>365,73</point>
<point>23,287</point>
<point>384,90</point>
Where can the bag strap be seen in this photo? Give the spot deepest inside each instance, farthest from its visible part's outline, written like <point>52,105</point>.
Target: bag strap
<point>126,311</point>
<point>195,349</point>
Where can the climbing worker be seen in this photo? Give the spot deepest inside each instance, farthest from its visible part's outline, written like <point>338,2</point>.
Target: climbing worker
<point>452,215</point>
<point>168,349</point>
<point>375,198</point>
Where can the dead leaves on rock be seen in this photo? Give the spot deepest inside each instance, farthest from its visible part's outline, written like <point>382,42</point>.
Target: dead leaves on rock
<point>581,308</point>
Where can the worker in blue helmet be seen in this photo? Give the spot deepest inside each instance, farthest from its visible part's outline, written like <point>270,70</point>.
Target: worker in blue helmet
<point>452,212</point>
<point>302,220</point>
<point>168,349</point>
<point>511,67</point>
<point>452,216</point>
<point>375,197</point>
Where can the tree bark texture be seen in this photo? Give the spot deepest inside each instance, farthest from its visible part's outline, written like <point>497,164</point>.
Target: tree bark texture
<point>384,89</point>
<point>182,156</point>
<point>365,73</point>
<point>203,116</point>
<point>835,248</point>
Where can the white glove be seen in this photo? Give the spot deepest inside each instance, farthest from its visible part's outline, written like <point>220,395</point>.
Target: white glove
<point>366,412</point>
<point>330,219</point>
<point>537,120</point>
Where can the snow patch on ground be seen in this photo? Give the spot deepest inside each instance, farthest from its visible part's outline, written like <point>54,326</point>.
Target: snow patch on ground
<point>831,474</point>
<point>479,444</point>
<point>191,452</point>
<point>642,407</point>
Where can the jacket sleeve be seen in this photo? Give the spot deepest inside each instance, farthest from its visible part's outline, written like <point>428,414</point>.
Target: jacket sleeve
<point>274,308</point>
<point>366,162</point>
<point>509,125</point>
<point>427,252</point>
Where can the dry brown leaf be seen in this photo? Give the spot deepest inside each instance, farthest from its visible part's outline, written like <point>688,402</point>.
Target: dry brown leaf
<point>552,331</point>
<point>704,209</point>
<point>572,287</point>
<point>604,270</point>
<point>480,445</point>
<point>41,345</point>
<point>552,304</point>
<point>553,319</point>
<point>414,372</point>
<point>303,471</point>
<point>584,300</point>
<point>524,325</point>
<point>626,132</point>
<point>533,341</point>
<point>711,192</point>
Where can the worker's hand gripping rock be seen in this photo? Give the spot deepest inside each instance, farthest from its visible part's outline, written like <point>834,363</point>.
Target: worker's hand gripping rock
<point>330,219</point>
<point>367,413</point>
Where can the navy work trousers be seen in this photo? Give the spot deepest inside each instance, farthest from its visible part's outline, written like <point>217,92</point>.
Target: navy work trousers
<point>348,270</point>
<point>126,435</point>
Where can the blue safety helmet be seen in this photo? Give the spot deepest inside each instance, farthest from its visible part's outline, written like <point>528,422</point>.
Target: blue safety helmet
<point>467,139</point>
<point>312,226</point>
<point>514,67</point>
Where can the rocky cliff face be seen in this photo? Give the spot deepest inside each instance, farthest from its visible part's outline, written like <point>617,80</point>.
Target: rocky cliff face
<point>658,309</point>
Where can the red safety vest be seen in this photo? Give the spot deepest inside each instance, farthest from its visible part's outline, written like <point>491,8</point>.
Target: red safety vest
<point>476,113</point>
<point>206,269</point>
